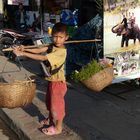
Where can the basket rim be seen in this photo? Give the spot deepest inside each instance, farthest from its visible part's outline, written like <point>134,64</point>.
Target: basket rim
<point>17,82</point>
<point>105,69</point>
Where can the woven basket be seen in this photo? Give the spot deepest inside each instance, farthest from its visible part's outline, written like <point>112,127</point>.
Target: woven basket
<point>16,94</point>
<point>100,80</point>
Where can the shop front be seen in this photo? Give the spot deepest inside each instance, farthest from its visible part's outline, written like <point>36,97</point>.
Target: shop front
<point>80,16</point>
<point>51,11</point>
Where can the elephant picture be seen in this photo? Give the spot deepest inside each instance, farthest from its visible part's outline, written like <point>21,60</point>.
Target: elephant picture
<point>130,33</point>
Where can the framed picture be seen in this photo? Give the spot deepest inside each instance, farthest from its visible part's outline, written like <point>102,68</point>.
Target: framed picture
<point>121,25</point>
<point>122,36</point>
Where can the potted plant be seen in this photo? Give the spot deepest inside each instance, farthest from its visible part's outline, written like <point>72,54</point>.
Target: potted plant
<point>95,75</point>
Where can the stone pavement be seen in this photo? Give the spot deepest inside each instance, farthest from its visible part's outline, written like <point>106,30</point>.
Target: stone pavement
<point>6,133</point>
<point>89,115</point>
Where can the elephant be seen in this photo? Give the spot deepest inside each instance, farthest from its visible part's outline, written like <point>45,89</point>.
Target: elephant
<point>130,33</point>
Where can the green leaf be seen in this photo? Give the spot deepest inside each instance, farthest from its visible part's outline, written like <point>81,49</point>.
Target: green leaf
<point>87,71</point>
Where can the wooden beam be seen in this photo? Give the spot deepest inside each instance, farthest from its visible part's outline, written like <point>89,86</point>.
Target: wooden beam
<point>44,45</point>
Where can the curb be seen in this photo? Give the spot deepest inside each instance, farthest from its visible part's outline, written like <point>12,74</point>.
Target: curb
<point>12,125</point>
<point>28,128</point>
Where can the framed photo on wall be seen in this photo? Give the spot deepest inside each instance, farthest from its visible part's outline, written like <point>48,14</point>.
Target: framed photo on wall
<point>122,36</point>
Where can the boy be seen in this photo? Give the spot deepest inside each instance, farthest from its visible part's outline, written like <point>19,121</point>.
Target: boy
<point>56,83</point>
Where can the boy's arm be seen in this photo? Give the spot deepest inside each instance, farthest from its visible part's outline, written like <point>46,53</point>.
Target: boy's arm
<point>36,50</point>
<point>30,55</point>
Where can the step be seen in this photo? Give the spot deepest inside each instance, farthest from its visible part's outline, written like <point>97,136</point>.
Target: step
<point>25,122</point>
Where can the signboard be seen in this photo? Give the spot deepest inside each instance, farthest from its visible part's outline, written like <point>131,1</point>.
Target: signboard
<point>121,37</point>
<point>16,2</point>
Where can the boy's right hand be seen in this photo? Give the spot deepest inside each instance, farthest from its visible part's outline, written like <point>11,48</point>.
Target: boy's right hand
<point>17,51</point>
<point>19,48</point>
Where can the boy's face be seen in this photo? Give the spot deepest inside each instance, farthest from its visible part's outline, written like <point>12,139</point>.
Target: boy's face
<point>59,39</point>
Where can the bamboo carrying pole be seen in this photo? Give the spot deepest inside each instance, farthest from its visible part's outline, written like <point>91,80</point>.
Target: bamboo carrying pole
<point>43,45</point>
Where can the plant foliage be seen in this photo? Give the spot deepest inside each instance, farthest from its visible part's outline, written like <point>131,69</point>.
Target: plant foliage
<point>87,71</point>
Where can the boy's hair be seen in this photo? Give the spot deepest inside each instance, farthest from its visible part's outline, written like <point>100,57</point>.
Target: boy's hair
<point>59,27</point>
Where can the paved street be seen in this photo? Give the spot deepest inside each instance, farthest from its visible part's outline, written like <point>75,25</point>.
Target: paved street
<point>6,133</point>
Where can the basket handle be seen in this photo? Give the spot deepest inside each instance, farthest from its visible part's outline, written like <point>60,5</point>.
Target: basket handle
<point>4,66</point>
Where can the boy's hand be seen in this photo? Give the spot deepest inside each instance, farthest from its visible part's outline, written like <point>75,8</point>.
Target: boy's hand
<point>17,51</point>
<point>19,48</point>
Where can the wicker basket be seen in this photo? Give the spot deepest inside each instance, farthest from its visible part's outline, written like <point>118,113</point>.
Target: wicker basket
<point>16,94</point>
<point>100,80</point>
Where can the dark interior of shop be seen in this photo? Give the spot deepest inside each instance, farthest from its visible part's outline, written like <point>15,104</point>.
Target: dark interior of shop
<point>87,10</point>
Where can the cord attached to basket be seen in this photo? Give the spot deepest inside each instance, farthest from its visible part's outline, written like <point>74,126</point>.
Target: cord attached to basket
<point>10,78</point>
<point>23,69</point>
<point>2,79</point>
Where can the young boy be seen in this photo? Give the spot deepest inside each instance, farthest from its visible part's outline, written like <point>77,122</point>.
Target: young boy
<point>56,83</point>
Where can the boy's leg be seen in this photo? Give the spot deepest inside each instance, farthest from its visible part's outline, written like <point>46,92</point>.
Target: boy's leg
<point>59,124</point>
<point>58,91</point>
